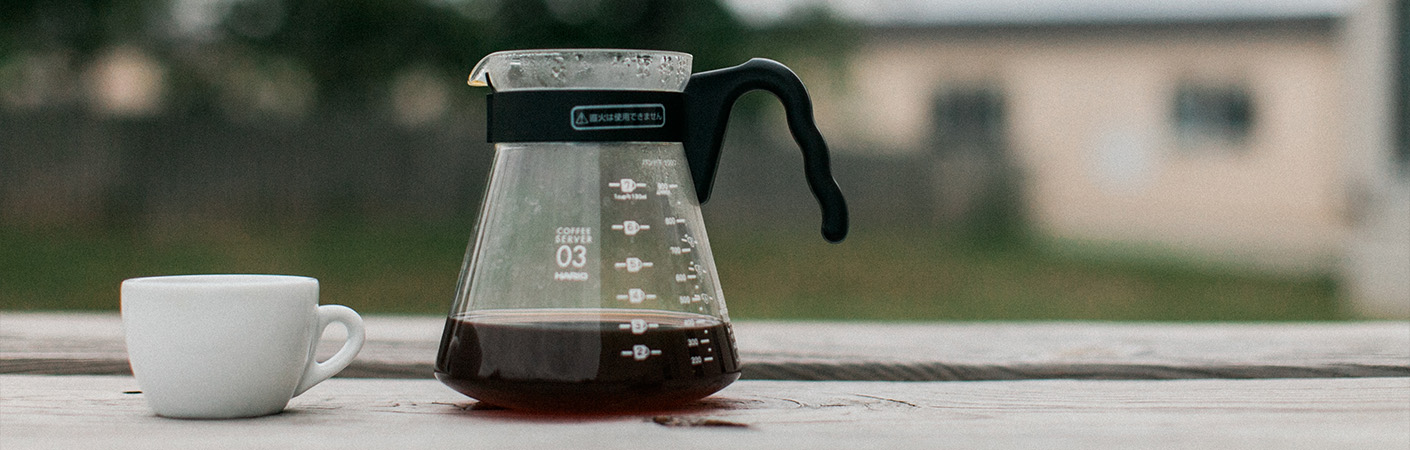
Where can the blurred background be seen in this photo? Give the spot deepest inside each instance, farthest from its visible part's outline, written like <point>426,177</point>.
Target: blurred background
<point>1007,159</point>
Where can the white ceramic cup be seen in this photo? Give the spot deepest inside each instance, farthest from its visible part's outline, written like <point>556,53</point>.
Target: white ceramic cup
<point>226,346</point>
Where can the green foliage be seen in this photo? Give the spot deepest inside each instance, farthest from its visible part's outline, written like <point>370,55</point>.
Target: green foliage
<point>905,274</point>
<point>353,48</point>
<point>78,26</point>
<point>912,274</point>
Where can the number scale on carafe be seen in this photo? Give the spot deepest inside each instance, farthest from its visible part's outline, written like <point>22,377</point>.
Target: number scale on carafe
<point>626,310</point>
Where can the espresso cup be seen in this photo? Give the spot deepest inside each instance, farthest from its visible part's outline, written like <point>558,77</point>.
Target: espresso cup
<point>227,346</point>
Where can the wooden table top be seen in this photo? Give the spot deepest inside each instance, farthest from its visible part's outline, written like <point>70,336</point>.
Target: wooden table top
<point>807,384</point>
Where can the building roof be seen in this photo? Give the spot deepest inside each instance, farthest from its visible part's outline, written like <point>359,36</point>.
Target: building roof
<point>1044,12</point>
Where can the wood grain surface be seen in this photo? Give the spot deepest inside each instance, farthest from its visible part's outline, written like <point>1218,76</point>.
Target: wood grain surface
<point>405,347</point>
<point>38,412</point>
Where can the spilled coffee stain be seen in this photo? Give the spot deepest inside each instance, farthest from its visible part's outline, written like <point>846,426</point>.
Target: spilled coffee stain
<point>673,421</point>
<point>471,406</point>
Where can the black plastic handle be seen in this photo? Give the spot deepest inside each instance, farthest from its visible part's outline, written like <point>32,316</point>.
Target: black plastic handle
<point>709,98</point>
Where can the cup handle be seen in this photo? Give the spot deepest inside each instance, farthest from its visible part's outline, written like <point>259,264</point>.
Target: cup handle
<point>316,371</point>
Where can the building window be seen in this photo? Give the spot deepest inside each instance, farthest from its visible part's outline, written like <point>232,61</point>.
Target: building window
<point>975,184</point>
<point>969,119</point>
<point>1213,116</point>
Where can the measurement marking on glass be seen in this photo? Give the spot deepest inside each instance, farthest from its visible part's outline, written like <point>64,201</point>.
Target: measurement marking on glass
<point>696,360</point>
<point>640,352</point>
<point>627,185</point>
<point>679,250</point>
<point>633,264</point>
<point>638,326</point>
<point>665,188</point>
<point>675,221</point>
<point>683,278</point>
<point>635,295</point>
<point>630,227</point>
<point>689,240</point>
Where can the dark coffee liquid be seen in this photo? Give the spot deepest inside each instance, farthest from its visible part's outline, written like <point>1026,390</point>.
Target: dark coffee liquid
<point>586,360</point>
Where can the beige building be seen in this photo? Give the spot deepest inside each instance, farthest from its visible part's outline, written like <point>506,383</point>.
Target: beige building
<point>1256,132</point>
<point>1092,121</point>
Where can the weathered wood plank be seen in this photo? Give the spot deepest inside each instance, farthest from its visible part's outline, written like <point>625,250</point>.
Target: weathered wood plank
<point>87,411</point>
<point>404,347</point>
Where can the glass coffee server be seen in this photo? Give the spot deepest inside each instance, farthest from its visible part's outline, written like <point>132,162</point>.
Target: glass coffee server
<point>589,284</point>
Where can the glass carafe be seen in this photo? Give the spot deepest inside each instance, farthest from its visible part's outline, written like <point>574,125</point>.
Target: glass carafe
<point>589,283</point>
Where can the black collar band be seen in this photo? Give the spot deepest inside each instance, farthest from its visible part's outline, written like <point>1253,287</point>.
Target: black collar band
<point>562,115</point>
